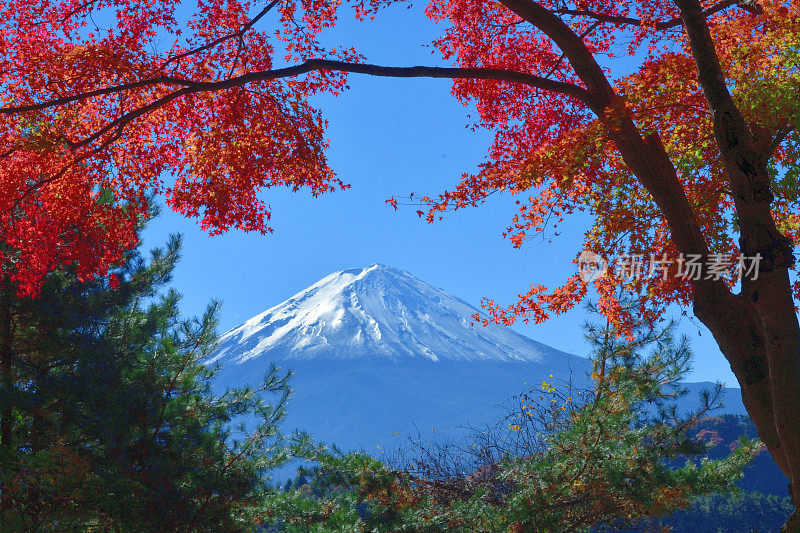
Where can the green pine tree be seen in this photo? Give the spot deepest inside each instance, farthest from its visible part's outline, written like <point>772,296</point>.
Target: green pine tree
<point>107,417</point>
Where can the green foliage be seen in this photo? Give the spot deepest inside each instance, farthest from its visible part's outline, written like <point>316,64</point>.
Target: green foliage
<point>742,512</point>
<point>344,492</point>
<point>114,425</point>
<point>760,505</point>
<point>561,460</point>
<point>722,433</point>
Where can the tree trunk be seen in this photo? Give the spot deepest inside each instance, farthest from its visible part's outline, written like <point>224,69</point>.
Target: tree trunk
<point>6,393</point>
<point>757,330</point>
<point>763,347</point>
<point>776,308</point>
<point>739,334</point>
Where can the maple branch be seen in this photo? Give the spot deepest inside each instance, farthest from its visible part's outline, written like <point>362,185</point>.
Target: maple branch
<point>709,70</point>
<point>159,80</point>
<point>190,86</point>
<point>77,10</point>
<point>64,168</point>
<point>745,159</point>
<point>600,17</point>
<point>322,64</point>
<point>644,155</point>
<point>583,34</point>
<point>572,45</point>
<point>239,34</point>
<point>779,137</point>
<point>167,80</point>
<point>629,21</point>
<point>678,105</point>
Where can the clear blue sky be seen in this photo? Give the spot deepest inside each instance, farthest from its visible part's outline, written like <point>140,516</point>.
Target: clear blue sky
<point>391,137</point>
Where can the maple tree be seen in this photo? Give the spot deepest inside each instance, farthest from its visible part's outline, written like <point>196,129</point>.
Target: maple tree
<point>695,153</point>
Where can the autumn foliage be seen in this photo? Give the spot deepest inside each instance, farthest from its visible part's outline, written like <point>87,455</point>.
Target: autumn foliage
<point>144,98</point>
<point>550,145</point>
<point>673,124</point>
<point>136,123</point>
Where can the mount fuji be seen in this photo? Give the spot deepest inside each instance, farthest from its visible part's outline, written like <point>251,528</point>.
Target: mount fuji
<point>377,353</point>
<point>378,313</point>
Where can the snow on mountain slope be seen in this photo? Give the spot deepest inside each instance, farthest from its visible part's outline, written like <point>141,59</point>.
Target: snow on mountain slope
<point>376,312</point>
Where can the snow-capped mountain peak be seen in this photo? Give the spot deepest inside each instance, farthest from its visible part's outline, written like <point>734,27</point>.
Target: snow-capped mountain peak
<point>378,312</point>
<point>376,352</point>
